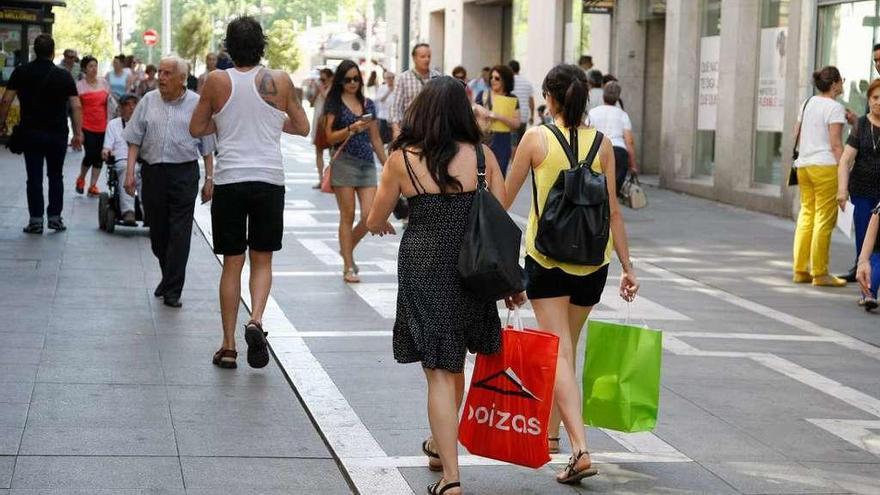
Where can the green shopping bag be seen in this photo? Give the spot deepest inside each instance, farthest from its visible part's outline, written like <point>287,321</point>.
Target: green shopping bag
<point>622,376</point>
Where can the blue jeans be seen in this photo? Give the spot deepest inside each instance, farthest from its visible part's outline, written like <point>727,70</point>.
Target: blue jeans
<point>861,218</point>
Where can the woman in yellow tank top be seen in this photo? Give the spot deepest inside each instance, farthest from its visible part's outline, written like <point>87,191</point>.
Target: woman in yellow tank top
<point>563,294</point>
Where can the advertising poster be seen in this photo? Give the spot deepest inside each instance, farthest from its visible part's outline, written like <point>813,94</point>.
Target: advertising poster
<point>771,80</point>
<point>708,94</point>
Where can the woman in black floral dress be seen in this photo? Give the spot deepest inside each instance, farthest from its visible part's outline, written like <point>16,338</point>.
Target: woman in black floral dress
<point>434,164</point>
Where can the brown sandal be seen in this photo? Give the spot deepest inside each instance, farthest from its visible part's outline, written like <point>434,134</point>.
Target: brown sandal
<point>553,449</point>
<point>434,463</point>
<point>225,358</point>
<point>573,476</point>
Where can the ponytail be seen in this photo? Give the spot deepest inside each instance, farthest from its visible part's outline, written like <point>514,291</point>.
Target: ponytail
<point>567,84</point>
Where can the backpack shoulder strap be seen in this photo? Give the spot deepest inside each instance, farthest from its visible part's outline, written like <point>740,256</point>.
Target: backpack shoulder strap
<point>481,168</point>
<point>594,150</point>
<point>572,158</point>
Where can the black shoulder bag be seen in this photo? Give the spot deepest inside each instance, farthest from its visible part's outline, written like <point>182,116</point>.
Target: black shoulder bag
<point>575,224</point>
<point>792,175</point>
<point>488,263</point>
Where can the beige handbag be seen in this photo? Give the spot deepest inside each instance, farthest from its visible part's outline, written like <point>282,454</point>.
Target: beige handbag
<point>633,194</point>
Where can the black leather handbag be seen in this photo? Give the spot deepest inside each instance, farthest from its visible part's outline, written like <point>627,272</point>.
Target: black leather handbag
<point>488,263</point>
<point>795,152</point>
<point>575,223</point>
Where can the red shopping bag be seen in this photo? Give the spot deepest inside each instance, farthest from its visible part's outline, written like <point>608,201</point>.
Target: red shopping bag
<point>508,405</point>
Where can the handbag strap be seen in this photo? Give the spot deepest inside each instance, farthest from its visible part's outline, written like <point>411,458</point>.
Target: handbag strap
<point>572,157</point>
<point>482,184</point>
<point>797,139</point>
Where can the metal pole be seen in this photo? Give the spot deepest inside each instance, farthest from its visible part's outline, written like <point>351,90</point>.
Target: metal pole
<point>149,54</point>
<point>404,48</point>
<point>166,27</point>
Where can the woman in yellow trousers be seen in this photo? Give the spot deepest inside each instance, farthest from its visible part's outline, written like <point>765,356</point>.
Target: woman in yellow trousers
<point>820,129</point>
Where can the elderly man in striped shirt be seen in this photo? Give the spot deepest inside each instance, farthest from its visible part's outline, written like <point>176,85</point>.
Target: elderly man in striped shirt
<point>159,132</point>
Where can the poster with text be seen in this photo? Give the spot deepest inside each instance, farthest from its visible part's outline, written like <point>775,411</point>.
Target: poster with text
<point>708,95</point>
<point>771,80</point>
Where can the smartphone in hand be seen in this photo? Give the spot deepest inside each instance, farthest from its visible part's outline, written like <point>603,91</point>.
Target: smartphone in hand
<point>366,117</point>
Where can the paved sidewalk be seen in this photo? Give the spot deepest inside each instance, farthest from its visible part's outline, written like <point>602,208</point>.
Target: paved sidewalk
<point>106,391</point>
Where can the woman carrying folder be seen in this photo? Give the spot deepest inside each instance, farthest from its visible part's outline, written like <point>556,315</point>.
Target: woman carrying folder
<point>503,113</point>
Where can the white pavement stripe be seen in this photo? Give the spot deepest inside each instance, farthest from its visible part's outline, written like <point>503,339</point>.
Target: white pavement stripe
<point>851,396</point>
<point>342,428</point>
<point>323,273</point>
<point>472,460</point>
<point>748,336</point>
<point>855,431</point>
<point>642,442</point>
<point>768,312</point>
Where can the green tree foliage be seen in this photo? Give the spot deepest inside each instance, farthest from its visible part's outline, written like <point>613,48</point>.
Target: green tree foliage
<point>283,50</point>
<point>80,27</point>
<point>193,37</point>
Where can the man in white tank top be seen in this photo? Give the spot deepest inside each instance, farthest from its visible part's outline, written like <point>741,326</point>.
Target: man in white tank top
<point>248,107</point>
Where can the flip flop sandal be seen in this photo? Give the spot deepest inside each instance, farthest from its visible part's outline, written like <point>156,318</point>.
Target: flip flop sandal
<point>573,476</point>
<point>434,488</point>
<point>225,358</point>
<point>258,347</point>
<point>550,447</point>
<point>432,456</point>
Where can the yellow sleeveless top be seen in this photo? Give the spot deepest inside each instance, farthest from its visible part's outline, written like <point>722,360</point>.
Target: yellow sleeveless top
<point>545,175</point>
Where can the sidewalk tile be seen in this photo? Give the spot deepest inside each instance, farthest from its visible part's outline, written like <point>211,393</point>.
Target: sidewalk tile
<point>258,475</point>
<point>99,441</point>
<point>221,440</point>
<point>7,464</point>
<point>64,405</point>
<point>10,440</point>
<point>97,472</point>
<point>769,478</point>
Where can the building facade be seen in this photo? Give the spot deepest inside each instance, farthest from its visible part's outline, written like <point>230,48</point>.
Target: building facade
<point>713,87</point>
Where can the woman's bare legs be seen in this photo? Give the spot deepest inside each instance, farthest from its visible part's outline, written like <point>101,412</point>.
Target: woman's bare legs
<point>577,317</point>
<point>443,417</point>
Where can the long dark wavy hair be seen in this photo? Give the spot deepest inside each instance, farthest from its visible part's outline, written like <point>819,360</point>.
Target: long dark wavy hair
<point>435,123</point>
<point>334,103</point>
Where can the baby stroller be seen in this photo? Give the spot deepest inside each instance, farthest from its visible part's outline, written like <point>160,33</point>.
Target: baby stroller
<point>109,214</point>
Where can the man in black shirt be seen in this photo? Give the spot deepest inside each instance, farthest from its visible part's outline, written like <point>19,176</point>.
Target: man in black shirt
<point>44,92</point>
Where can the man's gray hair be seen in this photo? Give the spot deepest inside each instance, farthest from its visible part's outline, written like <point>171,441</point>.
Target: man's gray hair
<point>611,93</point>
<point>181,65</point>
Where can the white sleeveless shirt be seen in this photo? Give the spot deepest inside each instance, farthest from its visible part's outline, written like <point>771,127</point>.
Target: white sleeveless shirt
<point>248,134</point>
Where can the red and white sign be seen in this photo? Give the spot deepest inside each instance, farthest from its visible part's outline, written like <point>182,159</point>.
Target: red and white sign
<point>151,37</point>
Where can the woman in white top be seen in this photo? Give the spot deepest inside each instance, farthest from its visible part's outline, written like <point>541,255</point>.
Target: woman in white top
<point>612,121</point>
<point>820,129</point>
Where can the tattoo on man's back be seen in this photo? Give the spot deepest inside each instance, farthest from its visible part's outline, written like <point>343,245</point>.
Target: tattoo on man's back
<point>267,88</point>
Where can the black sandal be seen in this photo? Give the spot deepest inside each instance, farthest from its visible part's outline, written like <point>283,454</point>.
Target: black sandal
<point>432,488</point>
<point>258,346</point>
<point>431,456</point>
<point>573,476</point>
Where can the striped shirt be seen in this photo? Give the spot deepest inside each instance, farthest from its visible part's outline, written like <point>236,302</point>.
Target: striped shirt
<point>161,129</point>
<point>523,90</point>
<point>409,84</point>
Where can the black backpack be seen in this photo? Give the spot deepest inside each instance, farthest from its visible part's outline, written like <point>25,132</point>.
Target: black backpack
<point>574,226</point>
<point>488,263</point>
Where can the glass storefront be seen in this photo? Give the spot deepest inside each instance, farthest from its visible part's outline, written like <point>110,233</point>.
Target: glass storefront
<point>10,50</point>
<point>770,105</point>
<point>707,102</point>
<point>846,34</point>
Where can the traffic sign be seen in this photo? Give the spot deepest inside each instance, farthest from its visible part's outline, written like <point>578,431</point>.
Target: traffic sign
<point>151,37</point>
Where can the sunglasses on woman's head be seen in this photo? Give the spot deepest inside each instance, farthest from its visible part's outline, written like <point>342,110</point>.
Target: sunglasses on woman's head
<point>349,80</point>
<point>496,78</point>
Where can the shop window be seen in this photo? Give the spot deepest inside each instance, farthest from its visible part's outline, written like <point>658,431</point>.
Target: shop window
<point>707,91</point>
<point>770,105</point>
<point>845,36</point>
<point>10,50</point>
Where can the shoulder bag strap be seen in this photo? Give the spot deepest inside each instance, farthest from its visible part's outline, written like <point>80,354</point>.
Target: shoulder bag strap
<point>481,168</point>
<point>797,139</point>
